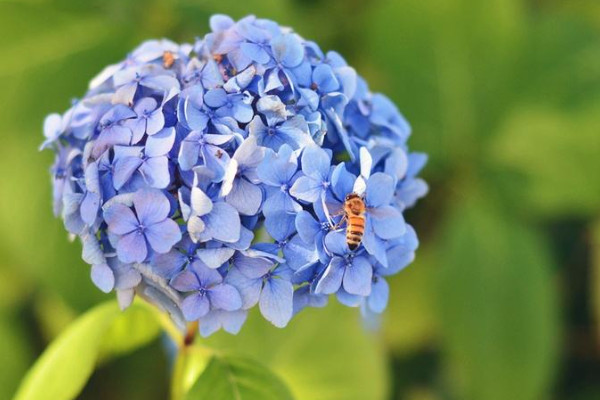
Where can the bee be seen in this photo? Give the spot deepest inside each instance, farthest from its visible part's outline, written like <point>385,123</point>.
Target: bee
<point>354,214</point>
<point>168,59</point>
<point>354,209</point>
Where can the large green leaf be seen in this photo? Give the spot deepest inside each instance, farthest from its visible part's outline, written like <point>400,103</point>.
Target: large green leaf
<point>323,354</point>
<point>498,307</point>
<point>237,378</point>
<point>557,153</point>
<point>64,368</point>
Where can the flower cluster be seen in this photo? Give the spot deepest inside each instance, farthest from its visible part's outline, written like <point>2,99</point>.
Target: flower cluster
<point>211,177</point>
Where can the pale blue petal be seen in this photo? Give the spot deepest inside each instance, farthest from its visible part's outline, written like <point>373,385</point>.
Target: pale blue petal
<point>276,301</point>
<point>357,278</point>
<point>195,306</point>
<point>132,248</point>
<point>380,293</point>
<point>380,190</point>
<point>223,223</point>
<point>388,222</point>
<point>331,280</point>
<point>225,297</point>
<point>151,206</point>
<point>162,236</point>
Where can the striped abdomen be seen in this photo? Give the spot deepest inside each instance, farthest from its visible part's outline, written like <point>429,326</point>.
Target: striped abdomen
<point>355,228</point>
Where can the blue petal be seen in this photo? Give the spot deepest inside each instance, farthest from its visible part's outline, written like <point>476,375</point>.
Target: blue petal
<point>195,306</point>
<point>230,321</point>
<point>316,162</point>
<point>132,248</point>
<point>276,301</point>
<point>307,226</point>
<point>380,292</point>
<point>335,243</point>
<point>120,219</point>
<point>255,52</point>
<point>388,222</point>
<point>331,280</point>
<point>161,143</point>
<point>324,79</point>
<point>248,288</point>
<point>103,277</point>
<point>162,236</point>
<point>215,98</point>
<point>380,190</point>
<point>299,255</point>
<point>374,245</point>
<point>225,297</point>
<point>214,258</point>
<point>307,189</point>
<point>223,223</point>
<point>156,172</point>
<point>357,278</point>
<point>185,281</point>
<point>245,197</point>
<point>288,50</point>
<point>280,225</point>
<point>151,206</point>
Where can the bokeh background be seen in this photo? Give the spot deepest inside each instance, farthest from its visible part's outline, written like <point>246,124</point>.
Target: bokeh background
<point>503,301</point>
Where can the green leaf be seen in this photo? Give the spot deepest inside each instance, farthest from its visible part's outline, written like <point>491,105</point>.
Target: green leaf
<point>498,305</point>
<point>323,354</point>
<point>557,153</point>
<point>64,368</point>
<point>229,377</point>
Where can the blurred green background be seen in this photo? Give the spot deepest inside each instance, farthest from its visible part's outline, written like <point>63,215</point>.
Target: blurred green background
<point>503,301</point>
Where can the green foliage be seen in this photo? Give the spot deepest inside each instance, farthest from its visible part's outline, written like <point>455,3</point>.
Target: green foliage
<point>503,95</point>
<point>233,377</point>
<point>556,153</point>
<point>64,368</point>
<point>497,305</point>
<point>323,354</point>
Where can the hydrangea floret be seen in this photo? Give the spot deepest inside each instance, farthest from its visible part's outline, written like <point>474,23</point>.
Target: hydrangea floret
<point>210,178</point>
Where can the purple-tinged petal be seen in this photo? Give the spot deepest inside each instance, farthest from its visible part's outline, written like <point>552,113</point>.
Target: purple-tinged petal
<point>245,197</point>
<point>276,301</point>
<point>195,306</point>
<point>214,258</point>
<point>124,169</point>
<point>132,248</point>
<point>120,219</point>
<point>230,321</point>
<point>185,281</point>
<point>151,206</point>
<point>248,288</point>
<point>155,172</point>
<point>225,297</point>
<point>161,143</point>
<point>223,223</point>
<point>103,277</point>
<point>163,235</point>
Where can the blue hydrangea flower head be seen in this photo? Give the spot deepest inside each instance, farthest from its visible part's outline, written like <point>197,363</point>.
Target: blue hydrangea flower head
<point>213,177</point>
